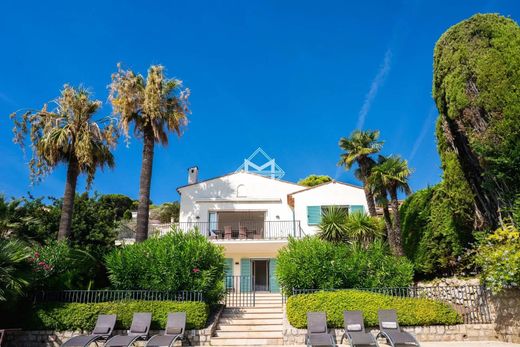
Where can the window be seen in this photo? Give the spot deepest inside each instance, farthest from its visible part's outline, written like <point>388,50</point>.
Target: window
<point>314,213</point>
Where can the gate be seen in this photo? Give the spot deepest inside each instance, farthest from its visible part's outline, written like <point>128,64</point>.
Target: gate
<point>240,291</point>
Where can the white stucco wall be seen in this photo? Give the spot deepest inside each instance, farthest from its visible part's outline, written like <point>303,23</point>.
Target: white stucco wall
<point>237,192</point>
<point>328,194</point>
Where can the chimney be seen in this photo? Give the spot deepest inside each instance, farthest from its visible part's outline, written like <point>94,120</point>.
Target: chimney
<point>193,174</point>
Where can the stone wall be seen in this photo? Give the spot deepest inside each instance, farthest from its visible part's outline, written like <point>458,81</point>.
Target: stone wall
<point>505,309</point>
<point>50,338</point>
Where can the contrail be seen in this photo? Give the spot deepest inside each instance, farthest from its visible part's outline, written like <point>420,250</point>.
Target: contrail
<point>374,87</point>
<point>426,126</point>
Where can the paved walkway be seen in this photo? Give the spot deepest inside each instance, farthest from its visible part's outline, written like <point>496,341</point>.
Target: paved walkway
<point>462,344</point>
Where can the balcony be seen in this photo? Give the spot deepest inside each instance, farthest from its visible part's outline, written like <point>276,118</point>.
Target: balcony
<point>243,230</point>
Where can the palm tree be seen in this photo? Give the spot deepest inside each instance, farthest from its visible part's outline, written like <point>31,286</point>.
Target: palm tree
<point>358,148</point>
<point>381,197</point>
<point>333,226</point>
<point>68,135</point>
<point>392,173</point>
<point>13,276</point>
<point>362,228</point>
<point>155,107</point>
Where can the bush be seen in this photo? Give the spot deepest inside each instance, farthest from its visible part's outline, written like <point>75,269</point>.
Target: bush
<point>176,261</point>
<point>499,257</point>
<point>437,229</point>
<point>410,311</point>
<point>57,266</point>
<point>76,316</point>
<point>313,263</point>
<point>13,269</point>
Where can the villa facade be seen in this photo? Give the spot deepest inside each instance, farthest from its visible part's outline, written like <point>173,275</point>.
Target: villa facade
<point>252,215</point>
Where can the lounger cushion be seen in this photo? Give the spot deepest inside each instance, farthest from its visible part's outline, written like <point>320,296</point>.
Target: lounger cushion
<point>354,327</point>
<point>139,328</point>
<point>101,330</point>
<point>389,325</point>
<point>173,331</point>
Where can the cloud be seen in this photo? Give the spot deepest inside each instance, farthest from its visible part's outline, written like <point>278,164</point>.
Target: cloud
<point>424,131</point>
<point>384,69</point>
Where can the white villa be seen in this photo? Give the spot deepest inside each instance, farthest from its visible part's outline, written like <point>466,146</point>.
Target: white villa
<point>252,213</point>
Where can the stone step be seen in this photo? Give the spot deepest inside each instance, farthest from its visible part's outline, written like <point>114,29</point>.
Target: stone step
<point>248,334</point>
<point>235,310</point>
<point>252,327</point>
<point>219,341</point>
<point>256,315</point>
<point>250,321</point>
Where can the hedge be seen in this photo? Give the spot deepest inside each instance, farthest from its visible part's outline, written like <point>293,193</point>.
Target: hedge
<point>410,311</point>
<point>76,316</point>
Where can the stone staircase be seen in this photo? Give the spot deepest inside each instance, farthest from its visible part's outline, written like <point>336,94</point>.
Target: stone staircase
<point>260,325</point>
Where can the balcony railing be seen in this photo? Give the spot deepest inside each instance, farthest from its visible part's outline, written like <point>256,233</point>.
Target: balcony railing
<point>242,230</point>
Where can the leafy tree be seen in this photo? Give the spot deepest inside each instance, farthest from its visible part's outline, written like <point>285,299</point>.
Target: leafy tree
<point>475,88</point>
<point>314,180</point>
<point>68,135</point>
<point>358,148</point>
<point>118,203</point>
<point>392,173</point>
<point>13,277</point>
<point>154,107</point>
<point>375,184</point>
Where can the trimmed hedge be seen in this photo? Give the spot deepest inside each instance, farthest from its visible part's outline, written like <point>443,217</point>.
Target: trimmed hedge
<point>76,316</point>
<point>410,311</point>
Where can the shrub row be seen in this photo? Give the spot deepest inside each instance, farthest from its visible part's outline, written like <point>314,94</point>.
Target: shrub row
<point>176,261</point>
<point>76,316</point>
<point>314,263</point>
<point>411,311</point>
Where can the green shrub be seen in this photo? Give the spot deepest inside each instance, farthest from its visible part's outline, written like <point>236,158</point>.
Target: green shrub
<point>76,316</point>
<point>313,263</point>
<point>437,228</point>
<point>410,311</point>
<point>499,257</point>
<point>56,266</point>
<point>176,261</point>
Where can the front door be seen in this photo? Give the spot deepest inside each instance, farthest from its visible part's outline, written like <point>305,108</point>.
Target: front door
<point>261,274</point>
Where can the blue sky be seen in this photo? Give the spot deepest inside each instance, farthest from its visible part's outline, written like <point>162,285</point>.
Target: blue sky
<point>289,76</point>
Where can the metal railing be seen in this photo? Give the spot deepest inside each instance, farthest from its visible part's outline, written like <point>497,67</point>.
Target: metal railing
<point>470,301</point>
<point>240,291</point>
<point>242,230</point>
<point>92,296</point>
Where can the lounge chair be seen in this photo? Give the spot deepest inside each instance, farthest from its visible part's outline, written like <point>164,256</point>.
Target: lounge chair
<point>175,329</point>
<point>317,331</point>
<point>389,329</point>
<point>102,331</point>
<point>138,330</point>
<point>355,330</point>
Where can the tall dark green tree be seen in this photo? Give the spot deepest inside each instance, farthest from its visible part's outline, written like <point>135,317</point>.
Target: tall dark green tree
<point>475,87</point>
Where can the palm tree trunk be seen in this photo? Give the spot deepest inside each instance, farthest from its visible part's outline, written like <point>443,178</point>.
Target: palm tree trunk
<point>370,201</point>
<point>386,216</point>
<point>141,231</point>
<point>397,244</point>
<point>68,200</point>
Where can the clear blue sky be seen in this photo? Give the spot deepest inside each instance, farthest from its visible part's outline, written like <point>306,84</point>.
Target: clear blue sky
<point>289,76</point>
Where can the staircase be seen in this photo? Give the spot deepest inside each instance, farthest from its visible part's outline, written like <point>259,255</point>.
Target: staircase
<point>260,325</point>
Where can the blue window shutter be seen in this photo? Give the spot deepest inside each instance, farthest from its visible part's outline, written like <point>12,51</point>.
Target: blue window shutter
<point>357,208</point>
<point>274,287</point>
<point>313,215</point>
<point>228,272</point>
<point>245,275</point>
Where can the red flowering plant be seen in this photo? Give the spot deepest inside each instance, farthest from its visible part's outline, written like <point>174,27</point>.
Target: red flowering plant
<point>56,265</point>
